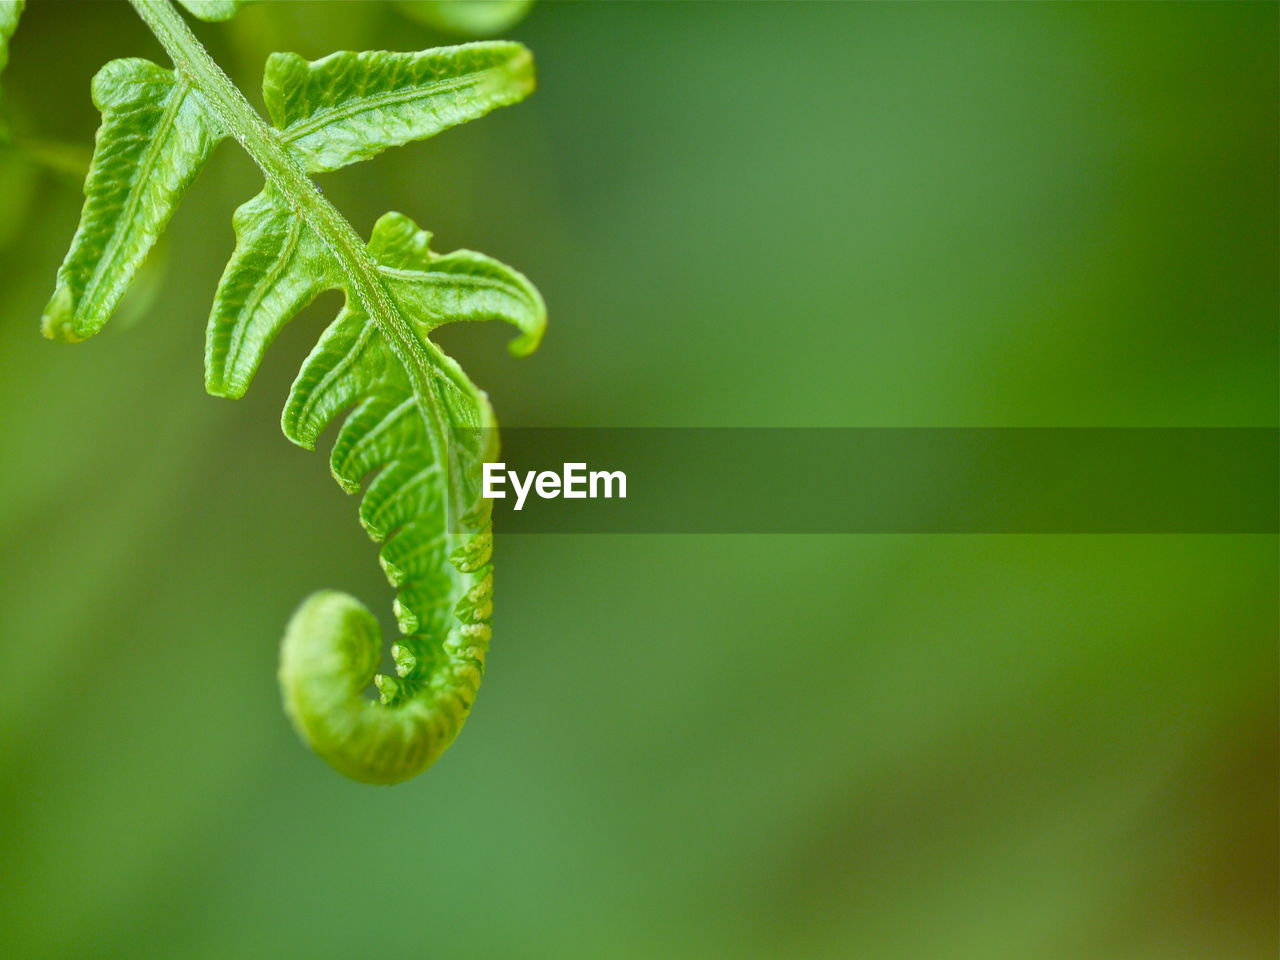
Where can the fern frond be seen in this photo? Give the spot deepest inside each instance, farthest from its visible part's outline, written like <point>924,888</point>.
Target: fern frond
<point>410,418</point>
<point>438,562</point>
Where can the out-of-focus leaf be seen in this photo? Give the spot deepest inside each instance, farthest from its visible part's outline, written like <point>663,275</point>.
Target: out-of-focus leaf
<point>10,10</point>
<point>467,18</point>
<point>213,9</point>
<point>17,181</point>
<point>66,159</point>
<point>147,284</point>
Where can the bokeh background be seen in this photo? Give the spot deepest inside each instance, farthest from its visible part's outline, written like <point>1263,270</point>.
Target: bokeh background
<point>740,214</point>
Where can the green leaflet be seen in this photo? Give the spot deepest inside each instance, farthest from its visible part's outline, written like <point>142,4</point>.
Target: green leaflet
<point>155,136</point>
<point>349,107</point>
<point>278,267</point>
<point>409,415</point>
<point>10,11</point>
<point>436,289</point>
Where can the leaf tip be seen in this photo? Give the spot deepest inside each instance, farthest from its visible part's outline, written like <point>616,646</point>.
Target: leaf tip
<point>520,74</point>
<point>216,387</point>
<point>59,319</point>
<point>531,334</point>
<point>346,483</point>
<point>524,344</point>
<point>216,381</point>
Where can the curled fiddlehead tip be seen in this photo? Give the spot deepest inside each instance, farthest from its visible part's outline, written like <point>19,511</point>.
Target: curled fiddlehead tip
<point>329,658</point>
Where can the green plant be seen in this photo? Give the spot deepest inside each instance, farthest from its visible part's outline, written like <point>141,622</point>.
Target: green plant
<point>414,418</point>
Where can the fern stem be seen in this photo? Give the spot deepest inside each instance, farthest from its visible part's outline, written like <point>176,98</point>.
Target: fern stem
<point>286,174</point>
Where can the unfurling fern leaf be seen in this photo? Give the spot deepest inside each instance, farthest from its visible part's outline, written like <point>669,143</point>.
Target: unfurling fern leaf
<point>413,419</point>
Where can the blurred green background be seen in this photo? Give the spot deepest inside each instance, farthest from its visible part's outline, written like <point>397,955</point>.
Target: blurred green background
<point>755,214</point>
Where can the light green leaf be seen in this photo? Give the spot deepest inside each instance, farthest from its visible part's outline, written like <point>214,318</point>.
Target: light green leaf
<point>349,107</point>
<point>213,9</point>
<point>467,18</point>
<point>10,11</point>
<point>155,136</point>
